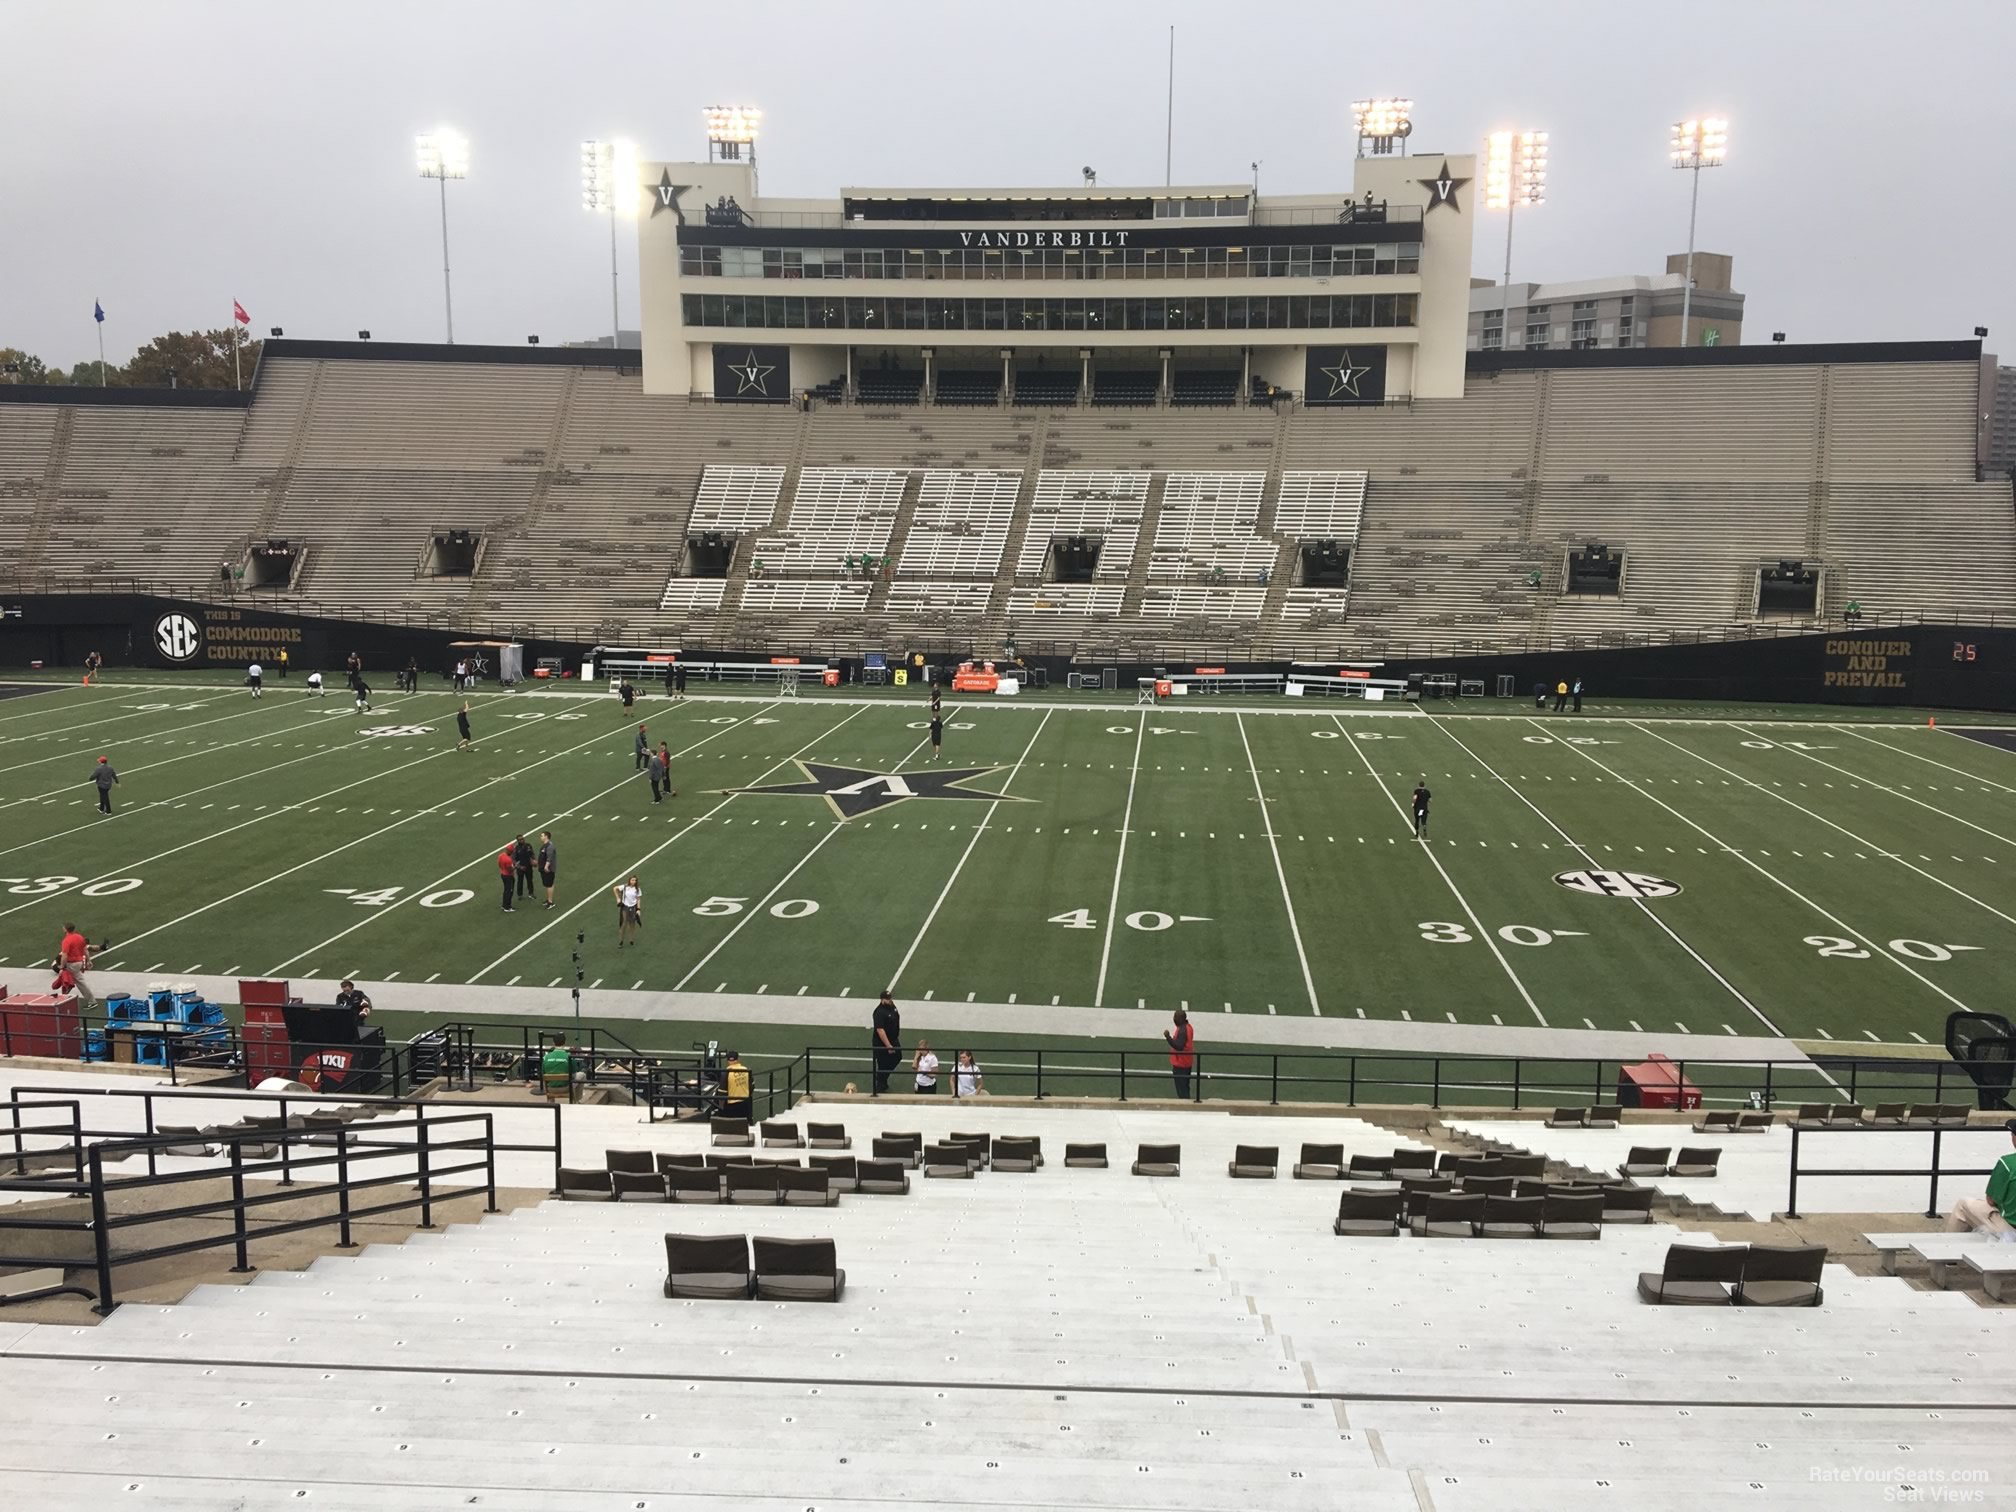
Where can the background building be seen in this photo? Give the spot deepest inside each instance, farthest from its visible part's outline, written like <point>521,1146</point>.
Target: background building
<point>1636,310</point>
<point>2001,416</point>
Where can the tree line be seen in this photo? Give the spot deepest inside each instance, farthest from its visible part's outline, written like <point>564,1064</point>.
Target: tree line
<point>179,359</point>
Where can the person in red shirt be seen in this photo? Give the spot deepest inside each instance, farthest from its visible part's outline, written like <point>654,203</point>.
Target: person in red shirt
<point>507,868</point>
<point>1182,1042</point>
<point>73,959</point>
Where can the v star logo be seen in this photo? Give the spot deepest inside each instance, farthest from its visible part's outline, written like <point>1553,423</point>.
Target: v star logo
<point>665,195</point>
<point>750,375</point>
<point>1442,189</point>
<point>852,792</point>
<point>1344,377</point>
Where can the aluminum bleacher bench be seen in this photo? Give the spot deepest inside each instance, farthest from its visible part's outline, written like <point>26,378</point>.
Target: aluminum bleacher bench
<point>1158,1160</point>
<point>685,1184</point>
<point>729,1131</point>
<point>578,1184</point>
<point>1255,1162</point>
<point>1319,1162</point>
<point>1085,1157</point>
<point>1367,1215</point>
<point>882,1178</point>
<point>1694,1276</point>
<point>797,1270</point>
<point>707,1265</point>
<point>637,1186</point>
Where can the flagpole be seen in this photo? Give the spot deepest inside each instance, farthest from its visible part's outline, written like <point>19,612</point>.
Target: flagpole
<point>102,383</point>
<point>236,381</point>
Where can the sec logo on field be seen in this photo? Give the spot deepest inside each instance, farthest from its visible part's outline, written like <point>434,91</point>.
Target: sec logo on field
<point>177,637</point>
<point>382,730</point>
<point>1616,884</point>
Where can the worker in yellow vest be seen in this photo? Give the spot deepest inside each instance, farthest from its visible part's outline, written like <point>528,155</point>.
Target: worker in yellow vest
<point>737,1088</point>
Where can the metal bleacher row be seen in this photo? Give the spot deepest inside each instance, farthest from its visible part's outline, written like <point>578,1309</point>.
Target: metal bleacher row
<point>584,491</point>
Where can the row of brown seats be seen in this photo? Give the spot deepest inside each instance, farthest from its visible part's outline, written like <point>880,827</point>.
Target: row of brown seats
<point>676,1180</point>
<point>1747,1275</point>
<point>729,1132</point>
<point>1558,1213</point>
<point>1882,1116</point>
<point>1326,1163</point>
<point>1651,1161</point>
<point>783,1270</point>
<point>1600,1116</point>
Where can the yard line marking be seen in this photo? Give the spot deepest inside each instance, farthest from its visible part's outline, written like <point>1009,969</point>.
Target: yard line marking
<point>1831,824</point>
<point>1455,891</point>
<point>232,830</point>
<point>674,839</point>
<point>1119,860</point>
<point>1581,850</point>
<point>945,892</point>
<point>1886,788</point>
<point>1281,875</point>
<point>1915,756</point>
<point>1769,876</point>
<point>70,729</point>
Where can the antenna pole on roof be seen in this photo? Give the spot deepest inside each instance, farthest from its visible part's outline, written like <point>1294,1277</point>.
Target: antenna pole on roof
<point>1169,124</point>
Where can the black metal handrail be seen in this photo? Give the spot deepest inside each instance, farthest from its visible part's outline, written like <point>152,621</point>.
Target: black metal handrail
<point>1935,1170</point>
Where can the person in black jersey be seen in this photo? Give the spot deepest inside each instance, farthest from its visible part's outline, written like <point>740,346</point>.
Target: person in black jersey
<point>467,742</point>
<point>937,732</point>
<point>1421,796</point>
<point>886,1038</point>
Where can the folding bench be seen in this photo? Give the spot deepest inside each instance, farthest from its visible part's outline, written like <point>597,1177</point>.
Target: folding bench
<point>1011,1155</point>
<point>1159,1160</point>
<point>578,1184</point>
<point>1255,1162</point>
<point>827,1136</point>
<point>880,1178</point>
<point>782,1136</point>
<point>1367,1215</point>
<point>1085,1157</point>
<point>753,1184</point>
<point>1695,1160</point>
<point>797,1270</point>
<point>685,1184</point>
<point>724,1132</point>
<point>637,1186</point>
<point>707,1265</point>
<point>1781,1275</point>
<point>838,1170</point>
<point>1694,1276</point>
<point>802,1188</point>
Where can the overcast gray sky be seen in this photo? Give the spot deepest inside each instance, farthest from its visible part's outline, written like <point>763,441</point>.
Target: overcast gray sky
<point>167,158</point>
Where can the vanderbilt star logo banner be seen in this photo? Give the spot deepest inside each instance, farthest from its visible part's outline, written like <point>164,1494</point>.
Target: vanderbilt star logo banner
<point>752,374</point>
<point>665,196</point>
<point>1345,375</point>
<point>852,792</point>
<point>1442,189</point>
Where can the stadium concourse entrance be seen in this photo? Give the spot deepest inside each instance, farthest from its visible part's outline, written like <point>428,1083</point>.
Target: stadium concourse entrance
<point>1091,376</point>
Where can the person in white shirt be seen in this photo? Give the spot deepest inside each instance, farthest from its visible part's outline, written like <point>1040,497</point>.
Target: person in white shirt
<point>629,911</point>
<point>926,1067</point>
<point>252,680</point>
<point>966,1075</point>
<point>315,685</point>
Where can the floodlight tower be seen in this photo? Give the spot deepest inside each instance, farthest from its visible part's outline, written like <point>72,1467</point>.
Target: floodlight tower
<point>1381,123</point>
<point>1515,174</point>
<point>1700,143</point>
<point>731,133</point>
<point>443,153</point>
<point>609,179</point>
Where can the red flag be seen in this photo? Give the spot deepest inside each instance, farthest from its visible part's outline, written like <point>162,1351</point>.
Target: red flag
<point>238,313</point>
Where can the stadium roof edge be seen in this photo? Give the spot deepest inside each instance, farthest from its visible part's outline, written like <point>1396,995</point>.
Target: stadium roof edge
<point>1772,355</point>
<point>434,351</point>
<point>161,398</point>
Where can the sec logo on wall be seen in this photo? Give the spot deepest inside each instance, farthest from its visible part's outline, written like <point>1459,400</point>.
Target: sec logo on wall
<point>178,637</point>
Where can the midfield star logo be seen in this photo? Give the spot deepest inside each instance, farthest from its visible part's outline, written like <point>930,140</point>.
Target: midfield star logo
<point>854,791</point>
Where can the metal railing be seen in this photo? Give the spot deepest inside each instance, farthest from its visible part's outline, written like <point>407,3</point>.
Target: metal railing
<point>1382,1077</point>
<point>1935,1171</point>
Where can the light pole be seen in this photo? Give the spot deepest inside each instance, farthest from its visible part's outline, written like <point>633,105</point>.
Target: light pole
<point>1696,144</point>
<point>1381,123</point>
<point>443,153</point>
<point>1515,174</point>
<point>609,183</point>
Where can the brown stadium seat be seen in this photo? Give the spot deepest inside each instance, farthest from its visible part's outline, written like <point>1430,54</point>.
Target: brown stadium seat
<point>801,1188</point>
<point>1889,1113</point>
<point>1447,1215</point>
<point>1523,1164</point>
<point>1572,1215</point>
<point>838,1170</point>
<point>1717,1123</point>
<point>908,1148</point>
<point>1491,1186</point>
<point>1695,1160</point>
<point>684,1184</point>
<point>1511,1217</point>
<point>630,1160</point>
<point>797,1270</point>
<point>1623,1204</point>
<point>707,1265</point>
<point>954,1161</point>
<point>1255,1162</point>
<point>579,1185</point>
<point>1755,1121</point>
<point>1694,1276</point>
<point>724,1132</point>
<point>1781,1275</point>
<point>978,1143</point>
<point>1321,1162</point>
<point>1567,1118</point>
<point>753,1184</point>
<point>1371,1168</point>
<point>1603,1116</point>
<point>637,1186</point>
<point>1016,1155</point>
<point>1367,1215</point>
<point>738,1158</point>
<point>1413,1163</point>
<point>1646,1160</point>
<point>782,1136</point>
<point>828,1136</point>
<point>1085,1157</point>
<point>1159,1160</point>
<point>669,1161</point>
<point>881,1178</point>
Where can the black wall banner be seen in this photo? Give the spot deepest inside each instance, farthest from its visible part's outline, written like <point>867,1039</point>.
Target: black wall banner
<point>752,374</point>
<point>1345,375</point>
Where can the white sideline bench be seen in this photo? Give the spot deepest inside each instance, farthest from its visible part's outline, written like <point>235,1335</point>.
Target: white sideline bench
<point>1995,1263</point>
<point>1940,1251</point>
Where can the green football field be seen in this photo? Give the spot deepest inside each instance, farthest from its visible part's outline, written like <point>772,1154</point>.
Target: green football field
<point>1826,875</point>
